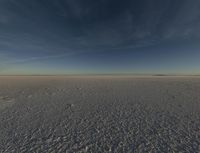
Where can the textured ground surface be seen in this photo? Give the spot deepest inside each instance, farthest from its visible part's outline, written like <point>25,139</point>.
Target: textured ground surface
<point>49,114</point>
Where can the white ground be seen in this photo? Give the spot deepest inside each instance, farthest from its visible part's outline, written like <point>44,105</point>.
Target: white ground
<point>99,114</point>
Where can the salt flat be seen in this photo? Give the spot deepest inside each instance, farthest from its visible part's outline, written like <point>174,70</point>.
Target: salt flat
<point>99,114</point>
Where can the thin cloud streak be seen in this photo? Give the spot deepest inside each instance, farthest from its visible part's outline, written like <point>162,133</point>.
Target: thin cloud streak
<point>19,61</point>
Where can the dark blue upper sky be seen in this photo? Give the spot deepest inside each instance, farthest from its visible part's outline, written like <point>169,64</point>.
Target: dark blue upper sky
<point>99,36</point>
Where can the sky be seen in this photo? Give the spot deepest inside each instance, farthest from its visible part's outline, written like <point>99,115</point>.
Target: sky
<point>99,37</point>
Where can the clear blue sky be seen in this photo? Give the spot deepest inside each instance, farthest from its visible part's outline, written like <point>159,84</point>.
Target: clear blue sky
<point>101,36</point>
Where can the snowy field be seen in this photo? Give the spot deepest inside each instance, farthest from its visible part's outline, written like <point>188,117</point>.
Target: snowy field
<point>99,114</point>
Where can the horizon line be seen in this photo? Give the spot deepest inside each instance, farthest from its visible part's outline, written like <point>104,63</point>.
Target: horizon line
<point>105,74</point>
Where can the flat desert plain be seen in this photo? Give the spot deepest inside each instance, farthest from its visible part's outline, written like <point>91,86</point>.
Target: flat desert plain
<point>99,114</point>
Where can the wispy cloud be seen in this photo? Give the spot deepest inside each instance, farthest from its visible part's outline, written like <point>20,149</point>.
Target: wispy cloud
<point>4,66</point>
<point>39,58</point>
